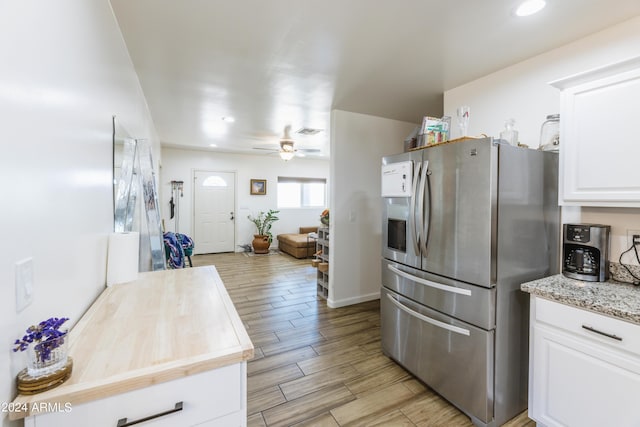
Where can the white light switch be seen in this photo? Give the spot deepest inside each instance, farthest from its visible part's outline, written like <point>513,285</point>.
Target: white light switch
<point>24,283</point>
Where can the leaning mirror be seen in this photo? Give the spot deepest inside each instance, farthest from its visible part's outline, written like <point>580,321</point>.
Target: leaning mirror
<point>135,197</point>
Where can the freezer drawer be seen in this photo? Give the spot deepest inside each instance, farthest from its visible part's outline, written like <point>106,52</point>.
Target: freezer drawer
<point>473,304</point>
<point>452,357</point>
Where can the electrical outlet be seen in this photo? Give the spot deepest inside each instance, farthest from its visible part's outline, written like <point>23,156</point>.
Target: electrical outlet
<point>24,284</point>
<point>630,237</point>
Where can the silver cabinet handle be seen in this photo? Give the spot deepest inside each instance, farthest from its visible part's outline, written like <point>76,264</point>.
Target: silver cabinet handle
<point>429,283</point>
<point>429,320</point>
<point>592,329</point>
<point>124,423</point>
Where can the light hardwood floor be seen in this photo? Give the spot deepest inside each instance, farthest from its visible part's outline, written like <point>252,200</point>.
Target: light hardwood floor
<point>316,366</point>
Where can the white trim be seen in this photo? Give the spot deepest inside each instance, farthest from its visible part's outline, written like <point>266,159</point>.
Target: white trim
<point>331,303</point>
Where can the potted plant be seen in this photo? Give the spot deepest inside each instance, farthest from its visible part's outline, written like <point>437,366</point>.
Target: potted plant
<point>324,217</point>
<point>263,222</point>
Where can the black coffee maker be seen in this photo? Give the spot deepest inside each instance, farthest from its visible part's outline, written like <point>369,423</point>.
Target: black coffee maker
<point>585,252</point>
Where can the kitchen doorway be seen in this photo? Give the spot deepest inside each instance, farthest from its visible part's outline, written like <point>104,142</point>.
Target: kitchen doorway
<point>214,198</point>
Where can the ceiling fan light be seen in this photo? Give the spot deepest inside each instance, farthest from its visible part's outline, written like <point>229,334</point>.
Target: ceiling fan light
<point>286,155</point>
<point>287,146</point>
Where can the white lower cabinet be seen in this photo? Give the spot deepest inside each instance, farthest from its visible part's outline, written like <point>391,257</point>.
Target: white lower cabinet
<point>584,368</point>
<point>215,398</point>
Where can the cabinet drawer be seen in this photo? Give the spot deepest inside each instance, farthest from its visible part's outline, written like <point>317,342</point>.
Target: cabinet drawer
<point>607,330</point>
<point>205,396</point>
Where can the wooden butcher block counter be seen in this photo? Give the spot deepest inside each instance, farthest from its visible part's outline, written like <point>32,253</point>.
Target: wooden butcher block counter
<point>171,339</point>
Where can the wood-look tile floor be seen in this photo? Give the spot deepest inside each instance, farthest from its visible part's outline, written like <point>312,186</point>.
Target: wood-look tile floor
<point>317,366</point>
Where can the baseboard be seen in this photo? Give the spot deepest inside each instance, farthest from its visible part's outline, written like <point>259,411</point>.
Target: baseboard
<point>353,300</point>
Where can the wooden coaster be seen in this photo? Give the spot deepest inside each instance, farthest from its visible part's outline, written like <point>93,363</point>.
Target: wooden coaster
<point>32,385</point>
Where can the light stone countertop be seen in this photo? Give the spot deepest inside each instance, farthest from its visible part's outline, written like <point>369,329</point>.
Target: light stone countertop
<point>611,298</point>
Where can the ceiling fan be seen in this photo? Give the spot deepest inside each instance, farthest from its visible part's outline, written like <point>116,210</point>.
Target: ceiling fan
<point>287,150</point>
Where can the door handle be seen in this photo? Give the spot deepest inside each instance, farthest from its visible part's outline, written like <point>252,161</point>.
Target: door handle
<point>425,207</point>
<point>427,319</point>
<point>412,209</point>
<point>232,217</point>
<point>428,283</point>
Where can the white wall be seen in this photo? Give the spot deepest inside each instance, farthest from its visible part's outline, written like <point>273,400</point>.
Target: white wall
<point>65,71</point>
<point>522,92</point>
<point>358,143</point>
<point>178,165</point>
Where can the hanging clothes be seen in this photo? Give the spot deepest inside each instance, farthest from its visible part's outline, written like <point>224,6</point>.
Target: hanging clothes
<point>173,250</point>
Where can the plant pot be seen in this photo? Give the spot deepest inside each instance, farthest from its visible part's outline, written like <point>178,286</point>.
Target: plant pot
<point>260,244</point>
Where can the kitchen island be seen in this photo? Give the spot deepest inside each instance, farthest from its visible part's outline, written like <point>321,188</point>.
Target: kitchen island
<point>171,339</point>
<point>584,355</point>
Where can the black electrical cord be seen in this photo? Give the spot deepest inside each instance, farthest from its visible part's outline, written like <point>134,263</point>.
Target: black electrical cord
<point>633,246</point>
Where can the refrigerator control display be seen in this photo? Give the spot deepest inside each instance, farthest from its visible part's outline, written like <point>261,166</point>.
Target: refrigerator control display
<point>397,179</point>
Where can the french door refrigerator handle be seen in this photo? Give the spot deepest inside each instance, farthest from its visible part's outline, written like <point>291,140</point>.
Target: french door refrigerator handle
<point>429,283</point>
<point>412,209</point>
<point>426,319</point>
<point>426,207</point>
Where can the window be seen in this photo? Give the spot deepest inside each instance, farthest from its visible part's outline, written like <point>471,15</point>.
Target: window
<point>302,192</point>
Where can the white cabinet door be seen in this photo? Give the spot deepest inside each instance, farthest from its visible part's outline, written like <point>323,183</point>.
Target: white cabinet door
<point>576,384</point>
<point>599,128</point>
<point>576,380</point>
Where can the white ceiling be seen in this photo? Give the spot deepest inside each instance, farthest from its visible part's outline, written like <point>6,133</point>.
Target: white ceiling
<point>271,63</point>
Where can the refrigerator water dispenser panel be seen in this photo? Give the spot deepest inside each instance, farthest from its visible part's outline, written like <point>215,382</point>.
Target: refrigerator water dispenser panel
<point>397,179</point>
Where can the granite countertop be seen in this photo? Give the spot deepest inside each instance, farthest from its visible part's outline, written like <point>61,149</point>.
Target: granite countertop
<point>611,298</point>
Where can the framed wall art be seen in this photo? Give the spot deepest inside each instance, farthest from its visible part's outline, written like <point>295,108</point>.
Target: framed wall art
<point>259,187</point>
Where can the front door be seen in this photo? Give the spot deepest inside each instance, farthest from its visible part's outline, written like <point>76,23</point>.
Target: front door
<point>214,212</point>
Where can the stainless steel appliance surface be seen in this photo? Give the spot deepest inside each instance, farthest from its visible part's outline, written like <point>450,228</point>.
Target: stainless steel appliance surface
<point>464,224</point>
<point>585,251</point>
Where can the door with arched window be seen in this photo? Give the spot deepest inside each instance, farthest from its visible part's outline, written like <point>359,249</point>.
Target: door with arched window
<point>214,211</point>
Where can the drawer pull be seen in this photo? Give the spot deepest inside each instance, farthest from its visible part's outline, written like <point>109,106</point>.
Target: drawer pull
<point>592,329</point>
<point>429,283</point>
<point>122,422</point>
<point>427,319</point>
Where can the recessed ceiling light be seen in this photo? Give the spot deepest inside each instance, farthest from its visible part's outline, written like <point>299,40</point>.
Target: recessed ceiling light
<point>213,145</point>
<point>228,119</point>
<point>529,7</point>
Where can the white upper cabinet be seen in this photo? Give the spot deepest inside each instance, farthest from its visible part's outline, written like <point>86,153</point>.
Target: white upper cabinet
<point>600,136</point>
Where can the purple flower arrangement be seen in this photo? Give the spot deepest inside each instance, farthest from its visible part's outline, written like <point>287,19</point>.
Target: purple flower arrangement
<point>47,336</point>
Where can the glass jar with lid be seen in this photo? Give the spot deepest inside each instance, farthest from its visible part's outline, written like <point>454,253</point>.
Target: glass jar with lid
<point>550,133</point>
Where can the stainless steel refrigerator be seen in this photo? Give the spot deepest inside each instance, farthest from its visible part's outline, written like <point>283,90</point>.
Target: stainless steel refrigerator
<point>464,224</point>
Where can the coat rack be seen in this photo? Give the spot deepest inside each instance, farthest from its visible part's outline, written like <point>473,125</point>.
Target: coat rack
<point>176,187</point>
